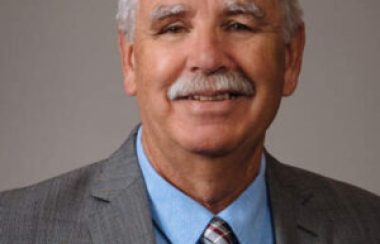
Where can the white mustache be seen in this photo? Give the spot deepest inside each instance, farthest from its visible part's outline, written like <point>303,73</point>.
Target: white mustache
<point>231,82</point>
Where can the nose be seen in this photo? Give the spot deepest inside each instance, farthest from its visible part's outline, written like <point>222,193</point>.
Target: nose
<point>207,54</point>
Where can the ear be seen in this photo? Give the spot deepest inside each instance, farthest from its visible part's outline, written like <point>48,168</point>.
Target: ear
<point>293,61</point>
<point>128,64</point>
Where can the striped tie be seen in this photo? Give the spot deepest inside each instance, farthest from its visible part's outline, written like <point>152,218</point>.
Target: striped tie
<point>218,232</point>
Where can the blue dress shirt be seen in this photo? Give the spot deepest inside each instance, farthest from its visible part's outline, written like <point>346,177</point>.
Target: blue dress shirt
<point>178,219</point>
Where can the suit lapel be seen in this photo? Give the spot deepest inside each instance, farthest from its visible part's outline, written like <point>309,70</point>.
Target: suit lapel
<point>284,211</point>
<point>120,204</point>
<point>290,198</point>
<point>120,208</point>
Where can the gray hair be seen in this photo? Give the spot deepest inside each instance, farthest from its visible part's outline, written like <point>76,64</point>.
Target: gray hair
<point>291,13</point>
<point>292,16</point>
<point>126,15</point>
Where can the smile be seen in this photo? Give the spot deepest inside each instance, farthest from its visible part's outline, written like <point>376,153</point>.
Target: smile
<point>220,97</point>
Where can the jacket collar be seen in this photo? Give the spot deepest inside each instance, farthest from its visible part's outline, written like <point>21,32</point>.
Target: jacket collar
<point>120,207</point>
<point>291,196</point>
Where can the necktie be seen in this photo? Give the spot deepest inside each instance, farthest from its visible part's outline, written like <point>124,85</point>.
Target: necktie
<point>218,232</point>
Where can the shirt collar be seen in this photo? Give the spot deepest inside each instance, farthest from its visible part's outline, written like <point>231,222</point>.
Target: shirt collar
<point>246,215</point>
<point>183,220</point>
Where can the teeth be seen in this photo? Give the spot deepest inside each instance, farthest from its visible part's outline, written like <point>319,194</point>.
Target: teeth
<point>220,97</point>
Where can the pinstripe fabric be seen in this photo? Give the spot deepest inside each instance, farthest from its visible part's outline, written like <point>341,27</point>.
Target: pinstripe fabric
<point>106,202</point>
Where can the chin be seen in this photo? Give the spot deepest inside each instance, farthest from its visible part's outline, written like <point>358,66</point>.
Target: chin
<point>210,150</point>
<point>210,144</point>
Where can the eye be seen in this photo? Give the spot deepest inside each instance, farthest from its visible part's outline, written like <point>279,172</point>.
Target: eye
<point>173,29</point>
<point>236,26</point>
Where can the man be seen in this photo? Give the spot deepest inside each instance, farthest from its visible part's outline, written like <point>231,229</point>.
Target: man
<point>209,76</point>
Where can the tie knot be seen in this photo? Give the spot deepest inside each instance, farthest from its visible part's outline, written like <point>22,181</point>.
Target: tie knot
<point>218,232</point>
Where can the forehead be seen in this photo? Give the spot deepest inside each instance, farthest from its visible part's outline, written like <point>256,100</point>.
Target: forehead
<point>270,7</point>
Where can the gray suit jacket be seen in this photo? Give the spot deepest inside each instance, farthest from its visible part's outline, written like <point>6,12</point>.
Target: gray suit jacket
<point>106,203</point>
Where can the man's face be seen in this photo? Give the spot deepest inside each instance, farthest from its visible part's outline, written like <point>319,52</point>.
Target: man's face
<point>186,38</point>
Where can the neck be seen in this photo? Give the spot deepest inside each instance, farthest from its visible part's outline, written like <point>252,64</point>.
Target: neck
<point>214,182</point>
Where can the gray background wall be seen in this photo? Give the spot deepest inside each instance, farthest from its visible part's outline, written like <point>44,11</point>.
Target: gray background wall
<point>62,103</point>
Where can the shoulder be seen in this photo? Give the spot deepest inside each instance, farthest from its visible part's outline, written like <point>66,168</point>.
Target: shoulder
<point>291,175</point>
<point>58,210</point>
<point>307,182</point>
<point>70,185</point>
<point>348,208</point>
<point>71,190</point>
<point>57,204</point>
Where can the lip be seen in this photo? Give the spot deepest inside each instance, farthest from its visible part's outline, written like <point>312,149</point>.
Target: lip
<point>211,94</point>
<point>212,97</point>
<point>231,93</point>
<point>212,108</point>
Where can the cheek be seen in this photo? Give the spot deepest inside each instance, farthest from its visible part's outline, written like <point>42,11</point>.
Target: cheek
<point>159,67</point>
<point>263,61</point>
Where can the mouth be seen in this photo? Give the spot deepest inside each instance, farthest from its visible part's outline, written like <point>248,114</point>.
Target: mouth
<point>220,97</point>
<point>212,97</point>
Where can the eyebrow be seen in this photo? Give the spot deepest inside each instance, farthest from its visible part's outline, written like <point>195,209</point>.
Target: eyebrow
<point>232,7</point>
<point>166,11</point>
